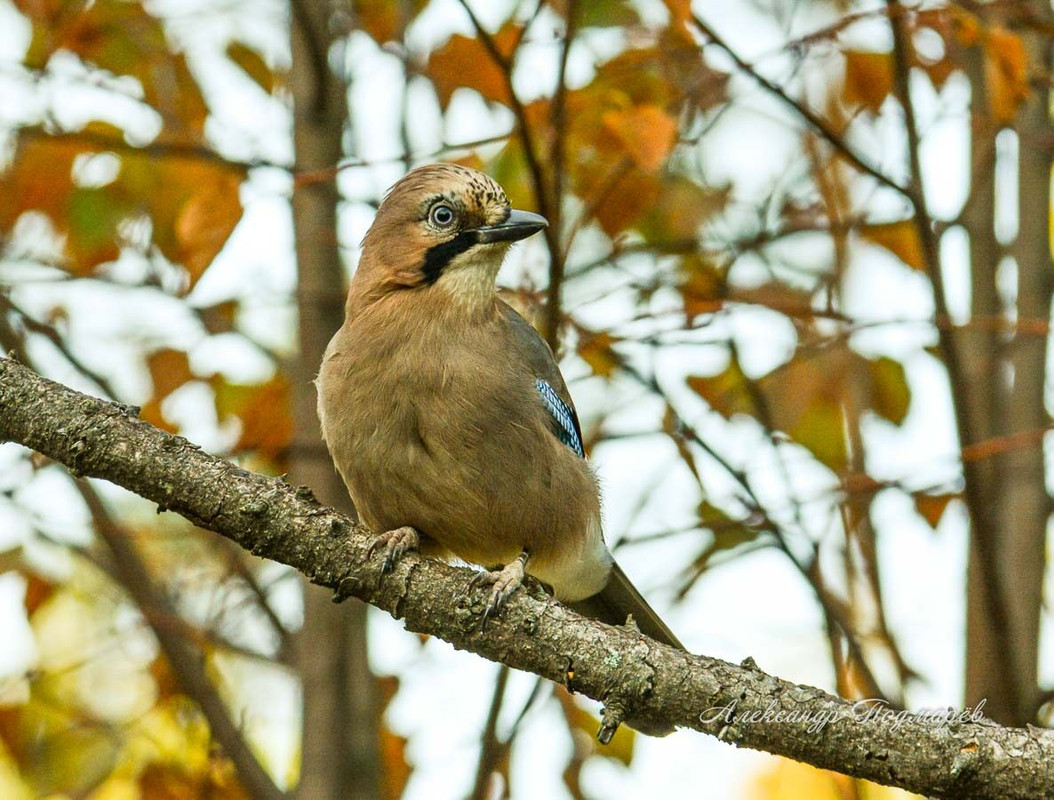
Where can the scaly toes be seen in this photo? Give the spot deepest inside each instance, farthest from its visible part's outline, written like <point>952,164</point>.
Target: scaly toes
<point>505,582</point>
<point>395,543</point>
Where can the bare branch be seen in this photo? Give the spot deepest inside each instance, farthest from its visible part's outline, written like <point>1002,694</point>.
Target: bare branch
<point>814,120</point>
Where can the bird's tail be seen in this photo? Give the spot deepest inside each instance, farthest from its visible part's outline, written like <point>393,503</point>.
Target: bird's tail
<point>618,600</point>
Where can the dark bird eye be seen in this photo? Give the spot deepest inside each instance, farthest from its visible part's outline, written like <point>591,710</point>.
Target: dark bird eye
<point>441,216</point>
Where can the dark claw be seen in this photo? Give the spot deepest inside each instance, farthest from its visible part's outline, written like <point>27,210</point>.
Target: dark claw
<point>396,543</point>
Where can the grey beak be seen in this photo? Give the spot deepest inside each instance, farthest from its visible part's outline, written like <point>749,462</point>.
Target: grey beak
<point>519,225</point>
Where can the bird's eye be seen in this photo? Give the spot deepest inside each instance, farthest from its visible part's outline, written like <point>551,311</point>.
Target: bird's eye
<point>442,216</point>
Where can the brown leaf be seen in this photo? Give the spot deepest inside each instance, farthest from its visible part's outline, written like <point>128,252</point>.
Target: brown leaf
<point>253,65</point>
<point>385,20</point>
<point>93,217</point>
<point>598,351</point>
<point>868,78</point>
<point>682,207</point>
<point>169,369</point>
<point>263,411</point>
<point>899,238</point>
<point>931,507</point>
<point>169,782</point>
<point>465,62</point>
<point>646,133</point>
<point>620,204</point>
<point>702,286</point>
<point>193,203</point>
<point>38,592</point>
<point>219,318</point>
<point>804,399</point>
<point>726,392</point>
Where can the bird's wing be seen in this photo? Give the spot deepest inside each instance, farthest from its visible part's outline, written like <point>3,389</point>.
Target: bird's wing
<point>549,383</point>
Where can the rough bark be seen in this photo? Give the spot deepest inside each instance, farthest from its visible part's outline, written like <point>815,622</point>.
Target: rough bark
<point>618,666</point>
<point>340,744</point>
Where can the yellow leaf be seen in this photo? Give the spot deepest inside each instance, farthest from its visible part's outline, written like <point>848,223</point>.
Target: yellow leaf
<point>790,780</point>
<point>899,238</point>
<point>622,744</point>
<point>726,392</point>
<point>598,351</point>
<point>646,133</point>
<point>253,65</point>
<point>890,393</point>
<point>868,78</point>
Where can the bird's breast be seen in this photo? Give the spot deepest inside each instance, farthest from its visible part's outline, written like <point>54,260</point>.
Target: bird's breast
<point>437,428</point>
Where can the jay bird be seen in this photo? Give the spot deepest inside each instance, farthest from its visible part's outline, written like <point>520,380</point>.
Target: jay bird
<point>446,413</point>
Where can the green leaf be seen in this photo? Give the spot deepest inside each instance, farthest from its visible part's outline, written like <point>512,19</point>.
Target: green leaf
<point>890,393</point>
<point>726,392</point>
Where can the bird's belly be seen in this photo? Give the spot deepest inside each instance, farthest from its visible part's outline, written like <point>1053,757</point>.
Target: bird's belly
<point>483,493</point>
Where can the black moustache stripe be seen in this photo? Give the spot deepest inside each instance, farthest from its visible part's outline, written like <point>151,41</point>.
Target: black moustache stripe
<point>439,256</point>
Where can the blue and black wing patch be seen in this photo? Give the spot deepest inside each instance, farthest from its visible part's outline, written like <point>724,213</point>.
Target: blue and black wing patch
<point>562,417</point>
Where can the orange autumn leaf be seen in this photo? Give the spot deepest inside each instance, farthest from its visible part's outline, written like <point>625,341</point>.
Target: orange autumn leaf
<point>126,39</point>
<point>386,20</point>
<point>263,410</point>
<point>868,78</point>
<point>680,12</point>
<point>192,203</point>
<point>900,238</point>
<point>465,62</point>
<point>621,204</point>
<point>206,220</point>
<point>38,591</point>
<point>646,133</point>
<point>169,369</point>
<point>931,507</point>
<point>1006,73</point>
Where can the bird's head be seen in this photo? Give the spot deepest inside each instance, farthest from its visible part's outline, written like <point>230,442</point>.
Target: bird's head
<point>442,225</point>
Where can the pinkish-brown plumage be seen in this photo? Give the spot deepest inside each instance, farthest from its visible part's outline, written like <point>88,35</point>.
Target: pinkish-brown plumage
<point>430,407</point>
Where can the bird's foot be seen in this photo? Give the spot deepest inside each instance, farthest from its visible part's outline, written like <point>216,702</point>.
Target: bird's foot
<point>395,543</point>
<point>503,582</point>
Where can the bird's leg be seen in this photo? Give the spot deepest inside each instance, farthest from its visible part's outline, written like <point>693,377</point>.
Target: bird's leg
<point>395,543</point>
<point>503,582</point>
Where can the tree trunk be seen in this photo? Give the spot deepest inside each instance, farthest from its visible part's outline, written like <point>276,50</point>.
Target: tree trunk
<point>1009,681</point>
<point>340,755</point>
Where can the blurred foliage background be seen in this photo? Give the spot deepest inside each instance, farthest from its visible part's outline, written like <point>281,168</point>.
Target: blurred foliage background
<point>797,271</point>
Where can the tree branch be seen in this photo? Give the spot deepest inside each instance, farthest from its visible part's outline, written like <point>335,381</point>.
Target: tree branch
<point>628,672</point>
